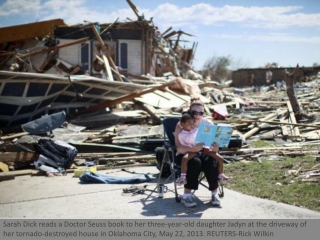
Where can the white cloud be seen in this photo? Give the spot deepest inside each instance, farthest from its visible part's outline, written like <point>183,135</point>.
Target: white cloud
<point>263,17</point>
<point>166,15</point>
<point>269,38</point>
<point>75,11</point>
<point>20,7</point>
<point>71,11</point>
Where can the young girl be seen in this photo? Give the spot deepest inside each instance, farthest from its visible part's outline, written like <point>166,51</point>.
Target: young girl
<point>199,163</point>
<point>186,138</point>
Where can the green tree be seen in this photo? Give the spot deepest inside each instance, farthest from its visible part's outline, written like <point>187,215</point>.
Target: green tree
<point>217,68</point>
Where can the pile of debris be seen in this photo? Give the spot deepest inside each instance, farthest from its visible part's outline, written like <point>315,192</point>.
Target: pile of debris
<point>114,84</point>
<point>50,66</point>
<point>129,133</point>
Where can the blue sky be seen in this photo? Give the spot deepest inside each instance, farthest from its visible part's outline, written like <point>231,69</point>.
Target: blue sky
<point>253,33</point>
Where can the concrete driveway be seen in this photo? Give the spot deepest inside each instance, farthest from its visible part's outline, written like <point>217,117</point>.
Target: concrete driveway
<point>64,197</point>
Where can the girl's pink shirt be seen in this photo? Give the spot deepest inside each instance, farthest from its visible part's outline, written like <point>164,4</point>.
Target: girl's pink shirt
<point>186,138</point>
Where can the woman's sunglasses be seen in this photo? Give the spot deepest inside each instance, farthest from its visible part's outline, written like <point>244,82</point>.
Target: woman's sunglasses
<point>195,113</point>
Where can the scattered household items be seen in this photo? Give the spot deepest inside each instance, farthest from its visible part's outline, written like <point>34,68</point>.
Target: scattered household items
<point>91,177</point>
<point>137,189</point>
<point>236,142</point>
<point>161,190</point>
<point>220,112</point>
<point>80,170</point>
<point>57,153</point>
<point>48,166</point>
<point>110,110</point>
<point>45,124</point>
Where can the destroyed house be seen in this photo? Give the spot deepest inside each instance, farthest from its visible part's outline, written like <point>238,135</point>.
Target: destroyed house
<point>136,47</point>
<point>128,44</point>
<point>241,77</point>
<point>49,66</point>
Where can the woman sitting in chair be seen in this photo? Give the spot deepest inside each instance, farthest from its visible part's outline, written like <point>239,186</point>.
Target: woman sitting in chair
<point>201,162</point>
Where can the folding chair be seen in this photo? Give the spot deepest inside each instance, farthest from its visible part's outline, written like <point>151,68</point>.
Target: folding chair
<point>169,154</point>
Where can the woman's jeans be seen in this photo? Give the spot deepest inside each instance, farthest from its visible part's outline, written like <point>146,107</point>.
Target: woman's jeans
<point>199,164</point>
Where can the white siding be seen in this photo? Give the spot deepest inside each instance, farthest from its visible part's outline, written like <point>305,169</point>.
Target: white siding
<point>71,54</point>
<point>134,55</point>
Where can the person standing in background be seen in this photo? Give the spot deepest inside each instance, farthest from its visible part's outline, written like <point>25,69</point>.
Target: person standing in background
<point>269,76</point>
<point>254,83</point>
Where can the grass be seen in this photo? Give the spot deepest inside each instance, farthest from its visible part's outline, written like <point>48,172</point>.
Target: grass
<point>260,144</point>
<point>270,179</point>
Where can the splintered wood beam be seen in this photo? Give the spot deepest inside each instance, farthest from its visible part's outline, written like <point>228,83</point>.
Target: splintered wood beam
<point>152,112</point>
<point>284,127</point>
<point>16,135</point>
<point>177,42</point>
<point>75,70</point>
<point>135,76</point>
<point>8,157</point>
<point>170,34</point>
<point>110,103</point>
<point>129,158</point>
<point>263,124</point>
<point>106,52</point>
<point>293,120</point>
<point>6,54</point>
<point>175,94</point>
<point>166,31</point>
<point>107,66</point>
<point>278,123</point>
<point>134,8</point>
<point>48,59</point>
<point>47,49</point>
<point>136,136</point>
<point>289,79</point>
<point>111,25</point>
<point>278,102</point>
<point>108,154</point>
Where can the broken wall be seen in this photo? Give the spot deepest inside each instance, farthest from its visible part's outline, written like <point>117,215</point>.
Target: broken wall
<point>240,78</point>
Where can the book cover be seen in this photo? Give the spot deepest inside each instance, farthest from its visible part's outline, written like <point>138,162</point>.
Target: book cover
<point>211,133</point>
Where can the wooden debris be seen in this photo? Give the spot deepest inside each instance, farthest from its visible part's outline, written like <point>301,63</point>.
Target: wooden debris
<point>125,98</point>
<point>294,104</point>
<point>106,58</point>
<point>13,136</point>
<point>7,176</point>
<point>259,126</point>
<point>4,167</point>
<point>7,157</point>
<point>163,89</point>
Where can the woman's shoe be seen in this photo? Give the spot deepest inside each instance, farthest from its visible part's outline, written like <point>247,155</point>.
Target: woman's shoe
<point>222,176</point>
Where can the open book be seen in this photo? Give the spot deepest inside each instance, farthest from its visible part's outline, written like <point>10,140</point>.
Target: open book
<point>211,133</point>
